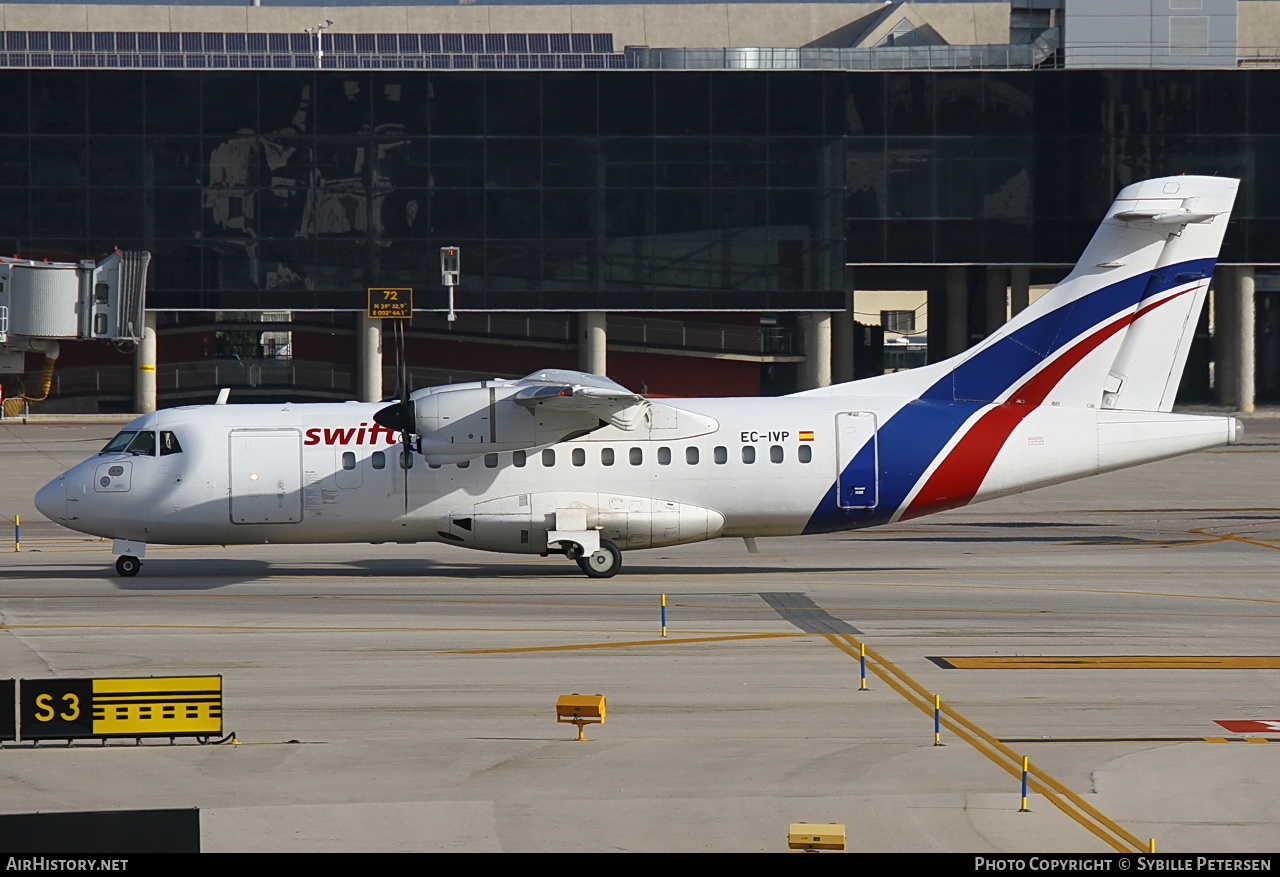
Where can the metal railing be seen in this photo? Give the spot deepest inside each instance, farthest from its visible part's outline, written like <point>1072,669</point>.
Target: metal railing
<point>338,380</point>
<point>709,337</point>
<point>668,334</point>
<point>985,57</point>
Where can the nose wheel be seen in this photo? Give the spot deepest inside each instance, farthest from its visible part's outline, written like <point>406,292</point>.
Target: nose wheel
<point>602,564</point>
<point>127,565</point>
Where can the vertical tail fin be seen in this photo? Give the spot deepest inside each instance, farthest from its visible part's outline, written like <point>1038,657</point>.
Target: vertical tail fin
<point>1147,369</point>
<point>1116,331</point>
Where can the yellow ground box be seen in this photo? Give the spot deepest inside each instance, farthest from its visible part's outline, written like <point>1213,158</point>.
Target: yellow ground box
<point>580,707</point>
<point>816,836</point>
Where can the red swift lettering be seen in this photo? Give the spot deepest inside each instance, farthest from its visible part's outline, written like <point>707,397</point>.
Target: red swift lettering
<point>361,435</point>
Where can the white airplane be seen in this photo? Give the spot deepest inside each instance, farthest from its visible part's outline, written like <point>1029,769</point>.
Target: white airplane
<point>563,462</point>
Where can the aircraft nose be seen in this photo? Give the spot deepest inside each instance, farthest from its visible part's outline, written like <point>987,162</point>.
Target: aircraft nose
<point>51,500</point>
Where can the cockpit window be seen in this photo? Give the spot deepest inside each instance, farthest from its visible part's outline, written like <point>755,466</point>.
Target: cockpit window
<point>120,442</point>
<point>144,443</point>
<point>169,444</point>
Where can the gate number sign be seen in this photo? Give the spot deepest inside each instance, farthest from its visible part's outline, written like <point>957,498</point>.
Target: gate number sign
<point>394,304</point>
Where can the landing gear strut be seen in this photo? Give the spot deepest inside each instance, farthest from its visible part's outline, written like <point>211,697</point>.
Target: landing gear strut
<point>128,565</point>
<point>602,564</point>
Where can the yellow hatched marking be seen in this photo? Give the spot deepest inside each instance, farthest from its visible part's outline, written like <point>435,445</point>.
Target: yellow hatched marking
<point>162,684</point>
<point>158,705</point>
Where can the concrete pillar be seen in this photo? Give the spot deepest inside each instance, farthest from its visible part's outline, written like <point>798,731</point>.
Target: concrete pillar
<point>996,300</point>
<point>817,350</point>
<point>593,339</point>
<point>369,358</point>
<point>144,360</point>
<point>1225,380</point>
<point>957,327</point>
<point>842,342</point>
<point>1245,342</point>
<point>1019,289</point>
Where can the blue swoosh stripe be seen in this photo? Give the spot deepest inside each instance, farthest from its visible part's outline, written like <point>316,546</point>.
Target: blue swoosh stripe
<point>918,432</point>
<point>991,372</point>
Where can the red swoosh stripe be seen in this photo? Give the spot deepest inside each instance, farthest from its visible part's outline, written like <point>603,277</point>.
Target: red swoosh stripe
<point>957,479</point>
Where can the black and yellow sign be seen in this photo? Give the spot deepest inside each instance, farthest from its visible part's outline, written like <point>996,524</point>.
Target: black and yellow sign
<point>8,719</point>
<point>157,706</point>
<point>391,304</point>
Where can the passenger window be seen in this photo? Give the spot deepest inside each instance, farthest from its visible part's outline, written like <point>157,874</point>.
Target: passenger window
<point>548,457</point>
<point>143,443</point>
<point>664,456</point>
<point>606,456</point>
<point>636,456</point>
<point>433,465</point>
<point>721,455</point>
<point>805,454</point>
<point>169,444</point>
<point>579,457</point>
<point>748,454</point>
<point>691,456</point>
<point>775,454</point>
<point>518,459</point>
<point>491,461</point>
<point>348,460</point>
<point>406,459</point>
<point>465,464</point>
<point>379,460</point>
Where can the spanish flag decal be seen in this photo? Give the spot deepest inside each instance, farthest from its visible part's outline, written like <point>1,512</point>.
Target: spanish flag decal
<point>806,435</point>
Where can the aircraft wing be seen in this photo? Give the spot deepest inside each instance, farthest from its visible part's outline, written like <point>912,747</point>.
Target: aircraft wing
<point>565,390</point>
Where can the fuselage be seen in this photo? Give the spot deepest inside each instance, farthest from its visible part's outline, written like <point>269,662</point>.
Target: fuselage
<point>695,469</point>
<point>1081,381</point>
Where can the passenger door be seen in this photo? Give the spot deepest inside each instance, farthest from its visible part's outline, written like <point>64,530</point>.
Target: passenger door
<point>266,476</point>
<point>857,460</point>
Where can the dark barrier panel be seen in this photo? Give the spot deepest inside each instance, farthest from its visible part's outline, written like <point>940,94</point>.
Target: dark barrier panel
<point>101,832</point>
<point>8,718</point>
<point>57,709</point>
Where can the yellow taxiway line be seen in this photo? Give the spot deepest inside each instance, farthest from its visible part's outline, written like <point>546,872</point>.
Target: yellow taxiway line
<point>617,645</point>
<point>997,752</point>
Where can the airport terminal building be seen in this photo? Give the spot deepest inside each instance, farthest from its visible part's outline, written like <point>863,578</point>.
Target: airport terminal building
<point>692,198</point>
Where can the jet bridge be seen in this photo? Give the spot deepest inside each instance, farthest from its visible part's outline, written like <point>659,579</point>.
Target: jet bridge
<point>42,303</point>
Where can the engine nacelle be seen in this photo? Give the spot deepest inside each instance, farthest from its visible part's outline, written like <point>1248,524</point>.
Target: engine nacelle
<point>464,421</point>
<point>521,523</point>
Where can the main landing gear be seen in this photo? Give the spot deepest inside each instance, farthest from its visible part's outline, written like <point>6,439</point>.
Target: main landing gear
<point>603,563</point>
<point>127,565</point>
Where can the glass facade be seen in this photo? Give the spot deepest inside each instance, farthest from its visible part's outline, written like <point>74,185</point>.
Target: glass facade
<point>612,190</point>
<point>991,168</point>
<point>297,190</point>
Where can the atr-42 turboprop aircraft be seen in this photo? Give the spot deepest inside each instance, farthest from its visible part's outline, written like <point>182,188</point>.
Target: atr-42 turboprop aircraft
<point>1081,382</point>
